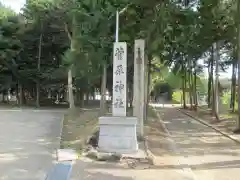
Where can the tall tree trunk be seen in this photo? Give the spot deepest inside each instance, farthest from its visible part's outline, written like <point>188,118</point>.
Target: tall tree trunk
<point>148,72</point>
<point>103,91</point>
<point>209,86</point>
<point>212,94</point>
<point>238,56</point>
<point>70,89</point>
<point>210,80</point>
<point>194,81</point>
<point>195,90</point>
<point>184,88</point>
<point>77,97</point>
<point>20,94</point>
<point>147,89</point>
<point>190,89</point>
<point>216,89</point>
<point>94,95</point>
<point>82,101</point>
<point>72,40</point>
<point>233,87</point>
<point>87,98</point>
<point>130,95</point>
<point>4,92</point>
<point>189,80</point>
<point>39,68</point>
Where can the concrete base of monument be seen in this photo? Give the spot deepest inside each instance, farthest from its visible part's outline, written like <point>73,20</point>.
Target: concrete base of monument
<point>118,135</point>
<point>95,154</point>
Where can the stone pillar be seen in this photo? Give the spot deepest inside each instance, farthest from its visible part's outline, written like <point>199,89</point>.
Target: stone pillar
<point>146,87</point>
<point>139,84</point>
<point>119,107</point>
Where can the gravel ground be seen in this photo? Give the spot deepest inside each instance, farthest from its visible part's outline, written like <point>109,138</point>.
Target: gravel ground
<point>28,141</point>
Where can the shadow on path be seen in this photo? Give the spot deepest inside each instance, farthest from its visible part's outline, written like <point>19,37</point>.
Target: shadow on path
<point>194,146</point>
<point>28,141</point>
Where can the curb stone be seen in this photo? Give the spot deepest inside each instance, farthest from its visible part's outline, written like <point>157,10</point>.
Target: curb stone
<point>60,139</point>
<point>60,136</point>
<point>162,123</point>
<point>227,135</point>
<point>150,156</point>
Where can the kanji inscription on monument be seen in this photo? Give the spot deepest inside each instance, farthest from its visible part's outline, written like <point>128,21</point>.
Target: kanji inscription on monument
<point>119,79</point>
<point>119,53</point>
<point>119,86</point>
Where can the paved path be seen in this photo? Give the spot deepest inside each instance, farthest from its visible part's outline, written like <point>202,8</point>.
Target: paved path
<point>193,152</point>
<point>200,151</point>
<point>28,140</point>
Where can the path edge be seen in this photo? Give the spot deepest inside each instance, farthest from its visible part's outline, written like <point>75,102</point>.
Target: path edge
<point>227,135</point>
<point>60,135</point>
<point>174,147</point>
<point>150,156</point>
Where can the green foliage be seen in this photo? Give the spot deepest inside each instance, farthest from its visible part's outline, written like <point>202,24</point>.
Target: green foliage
<point>68,57</point>
<point>177,96</point>
<point>202,85</point>
<point>6,12</point>
<point>226,99</point>
<point>10,47</point>
<point>174,80</point>
<point>80,34</point>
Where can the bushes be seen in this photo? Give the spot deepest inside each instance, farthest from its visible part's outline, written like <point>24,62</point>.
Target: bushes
<point>226,99</point>
<point>177,96</point>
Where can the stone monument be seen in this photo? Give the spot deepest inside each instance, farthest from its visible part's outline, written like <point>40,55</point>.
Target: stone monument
<point>139,87</point>
<point>118,132</point>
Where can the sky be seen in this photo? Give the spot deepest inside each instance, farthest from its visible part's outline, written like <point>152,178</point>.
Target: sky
<point>16,5</point>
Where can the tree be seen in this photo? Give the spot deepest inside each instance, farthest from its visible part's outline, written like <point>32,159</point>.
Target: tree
<point>10,48</point>
<point>238,55</point>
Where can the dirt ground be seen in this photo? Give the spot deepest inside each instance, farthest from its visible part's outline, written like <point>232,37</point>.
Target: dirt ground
<point>78,126</point>
<point>227,121</point>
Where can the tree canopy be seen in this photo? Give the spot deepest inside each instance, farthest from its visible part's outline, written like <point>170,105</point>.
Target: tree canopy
<point>49,37</point>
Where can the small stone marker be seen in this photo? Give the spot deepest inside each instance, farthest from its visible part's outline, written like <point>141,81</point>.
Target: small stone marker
<point>66,155</point>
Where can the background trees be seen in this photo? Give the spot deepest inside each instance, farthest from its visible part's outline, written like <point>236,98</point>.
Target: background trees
<point>60,50</point>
